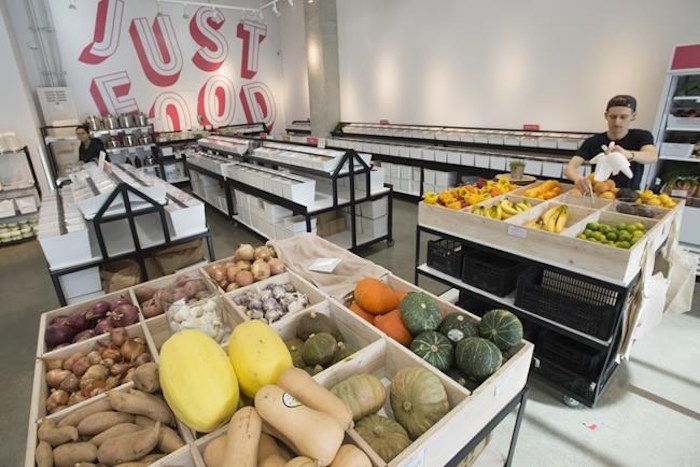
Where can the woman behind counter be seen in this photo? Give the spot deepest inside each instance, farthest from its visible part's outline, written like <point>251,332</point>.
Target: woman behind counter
<point>89,147</point>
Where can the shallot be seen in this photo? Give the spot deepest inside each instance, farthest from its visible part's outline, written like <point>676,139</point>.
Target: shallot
<point>53,363</point>
<point>96,372</point>
<point>54,378</point>
<point>132,348</point>
<point>57,400</point>
<point>75,398</point>
<point>70,361</point>
<point>81,366</point>
<point>84,335</point>
<point>70,384</point>
<point>112,353</point>
<point>118,336</point>
<point>94,357</point>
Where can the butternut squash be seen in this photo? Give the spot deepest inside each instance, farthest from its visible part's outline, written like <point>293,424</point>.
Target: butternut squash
<point>214,452</point>
<point>258,355</point>
<point>197,380</point>
<point>309,392</point>
<point>269,453</point>
<point>242,439</point>
<point>351,456</point>
<point>301,461</point>
<point>321,435</point>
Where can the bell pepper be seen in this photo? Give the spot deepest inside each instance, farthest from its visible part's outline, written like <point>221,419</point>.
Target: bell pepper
<point>430,197</point>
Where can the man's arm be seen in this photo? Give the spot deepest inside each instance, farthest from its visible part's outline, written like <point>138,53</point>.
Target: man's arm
<point>571,172</point>
<point>647,155</point>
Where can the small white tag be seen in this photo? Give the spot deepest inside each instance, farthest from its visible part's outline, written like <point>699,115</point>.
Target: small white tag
<point>679,193</point>
<point>327,265</point>
<point>519,232</point>
<point>101,161</point>
<point>321,143</point>
<point>417,460</point>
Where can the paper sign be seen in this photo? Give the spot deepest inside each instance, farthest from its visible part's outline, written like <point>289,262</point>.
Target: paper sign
<point>322,143</point>
<point>679,193</point>
<point>383,122</point>
<point>327,265</point>
<point>312,141</point>
<point>101,161</point>
<point>519,232</point>
<point>531,126</point>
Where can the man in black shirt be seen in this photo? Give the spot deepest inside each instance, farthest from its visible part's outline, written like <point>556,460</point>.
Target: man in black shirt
<point>89,147</point>
<point>636,145</point>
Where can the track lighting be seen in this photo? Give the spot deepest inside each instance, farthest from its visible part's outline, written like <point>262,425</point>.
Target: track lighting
<point>72,5</point>
<point>185,13</point>
<point>275,9</point>
<point>262,16</point>
<point>159,11</point>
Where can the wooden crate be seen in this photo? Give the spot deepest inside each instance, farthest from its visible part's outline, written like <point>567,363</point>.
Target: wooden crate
<point>186,456</point>
<point>564,250</point>
<point>300,284</point>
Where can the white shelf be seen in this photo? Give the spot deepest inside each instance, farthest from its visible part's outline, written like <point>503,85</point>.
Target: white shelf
<point>126,148</point>
<point>180,180</point>
<point>344,240</point>
<point>326,201</point>
<point>687,98</point>
<point>238,219</point>
<point>119,130</point>
<point>692,129</point>
<point>682,159</point>
<point>508,300</point>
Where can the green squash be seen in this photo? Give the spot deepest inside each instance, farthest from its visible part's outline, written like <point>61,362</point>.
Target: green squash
<point>420,312</point>
<point>386,437</point>
<point>316,323</point>
<point>434,348</point>
<point>418,399</point>
<point>502,328</point>
<point>478,358</point>
<point>457,326</point>
<point>319,349</point>
<point>313,370</point>
<point>363,393</point>
<point>458,377</point>
<point>343,350</point>
<point>295,347</point>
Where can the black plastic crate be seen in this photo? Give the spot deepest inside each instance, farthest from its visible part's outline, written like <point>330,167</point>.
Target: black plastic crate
<point>570,354</point>
<point>445,255</point>
<point>561,378</point>
<point>491,272</point>
<point>570,300</point>
<point>473,303</point>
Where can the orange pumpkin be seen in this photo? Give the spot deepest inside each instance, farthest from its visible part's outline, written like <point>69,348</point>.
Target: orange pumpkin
<point>362,313</point>
<point>400,295</point>
<point>393,326</point>
<point>375,296</point>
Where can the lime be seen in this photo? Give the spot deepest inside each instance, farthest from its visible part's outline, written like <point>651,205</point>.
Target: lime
<point>624,236</point>
<point>605,228</point>
<point>593,226</point>
<point>632,228</point>
<point>623,245</point>
<point>583,236</point>
<point>621,226</point>
<point>592,239</point>
<point>600,236</point>
<point>634,240</point>
<point>638,234</point>
<point>640,226</point>
<point>612,236</point>
<point>588,232</point>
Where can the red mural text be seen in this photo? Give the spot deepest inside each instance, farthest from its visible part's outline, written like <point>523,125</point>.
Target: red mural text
<point>204,28</point>
<point>108,25</point>
<point>157,49</point>
<point>252,34</point>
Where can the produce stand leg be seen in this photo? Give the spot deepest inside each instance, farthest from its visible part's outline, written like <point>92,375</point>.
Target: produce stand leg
<point>390,217</point>
<point>516,429</point>
<point>210,247</point>
<point>417,257</point>
<point>55,278</point>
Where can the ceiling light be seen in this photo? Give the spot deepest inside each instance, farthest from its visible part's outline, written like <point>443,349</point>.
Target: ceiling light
<point>185,13</point>
<point>159,12</point>
<point>72,5</point>
<point>275,9</point>
<point>262,16</point>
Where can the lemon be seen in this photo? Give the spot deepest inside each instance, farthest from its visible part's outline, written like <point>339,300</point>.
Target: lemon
<point>639,226</point>
<point>638,234</point>
<point>654,202</point>
<point>582,236</point>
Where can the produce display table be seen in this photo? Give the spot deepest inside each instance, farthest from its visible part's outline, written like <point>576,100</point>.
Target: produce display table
<point>472,413</point>
<point>575,297</point>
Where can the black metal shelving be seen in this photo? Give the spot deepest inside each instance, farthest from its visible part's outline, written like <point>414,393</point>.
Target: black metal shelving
<point>575,385</point>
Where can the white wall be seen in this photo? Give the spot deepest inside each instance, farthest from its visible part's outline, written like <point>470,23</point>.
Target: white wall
<point>294,70</point>
<point>17,111</point>
<point>505,63</point>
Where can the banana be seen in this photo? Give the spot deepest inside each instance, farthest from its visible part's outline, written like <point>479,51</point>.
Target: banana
<point>508,208</point>
<point>561,220</point>
<point>499,212</point>
<point>547,216</point>
<point>551,223</point>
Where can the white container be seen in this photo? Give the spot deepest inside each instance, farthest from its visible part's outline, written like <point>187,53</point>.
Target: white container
<point>80,283</point>
<point>481,161</point>
<point>374,209</point>
<point>454,158</point>
<point>273,213</point>
<point>64,250</point>
<point>676,150</point>
<point>187,221</point>
<point>467,159</point>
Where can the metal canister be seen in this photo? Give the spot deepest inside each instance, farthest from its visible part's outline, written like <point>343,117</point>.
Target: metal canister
<point>126,121</point>
<point>110,122</point>
<point>94,123</point>
<point>140,119</point>
<point>129,140</point>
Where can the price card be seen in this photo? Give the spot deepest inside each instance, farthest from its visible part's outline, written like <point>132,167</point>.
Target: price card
<point>679,193</point>
<point>520,232</point>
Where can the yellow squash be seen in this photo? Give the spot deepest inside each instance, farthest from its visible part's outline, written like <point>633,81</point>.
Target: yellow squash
<point>197,380</point>
<point>258,355</point>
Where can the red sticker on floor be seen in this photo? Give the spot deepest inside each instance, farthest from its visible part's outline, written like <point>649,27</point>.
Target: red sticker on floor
<point>591,426</point>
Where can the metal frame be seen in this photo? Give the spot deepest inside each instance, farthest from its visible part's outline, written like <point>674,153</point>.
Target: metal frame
<point>139,253</point>
<point>520,400</point>
<point>609,367</point>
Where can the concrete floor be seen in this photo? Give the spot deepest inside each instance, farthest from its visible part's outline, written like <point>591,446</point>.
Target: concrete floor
<point>649,416</point>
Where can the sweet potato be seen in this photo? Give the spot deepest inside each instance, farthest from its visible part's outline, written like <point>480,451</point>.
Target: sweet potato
<point>113,432</point>
<point>67,455</point>
<point>43,454</point>
<point>214,452</point>
<point>76,417</point>
<point>146,378</point>
<point>56,436</point>
<point>168,440</point>
<point>141,403</point>
<point>100,421</point>
<point>130,447</point>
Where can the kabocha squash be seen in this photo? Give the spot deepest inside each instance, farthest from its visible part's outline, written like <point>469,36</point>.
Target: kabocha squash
<point>393,326</point>
<point>258,355</point>
<point>478,358</point>
<point>319,349</point>
<point>420,312</point>
<point>315,323</point>
<point>306,390</point>
<point>343,350</point>
<point>295,347</point>
<point>197,380</point>
<point>457,326</point>
<point>243,439</point>
<point>502,328</point>
<point>362,393</point>
<point>351,456</point>
<point>434,348</point>
<point>457,376</point>
<point>375,297</point>
<point>357,309</point>
<point>306,431</point>
<point>418,399</point>
<point>385,436</point>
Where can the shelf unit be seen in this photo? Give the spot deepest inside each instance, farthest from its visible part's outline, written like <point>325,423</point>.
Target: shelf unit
<point>677,134</point>
<point>342,170</point>
<point>465,151</point>
<point>20,193</point>
<point>299,127</point>
<point>129,224</point>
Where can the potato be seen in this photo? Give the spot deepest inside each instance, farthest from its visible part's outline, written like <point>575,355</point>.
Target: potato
<point>151,308</point>
<point>113,432</point>
<point>76,417</point>
<point>145,378</point>
<point>151,458</point>
<point>100,421</point>
<point>214,452</point>
<point>144,293</point>
<point>168,440</point>
<point>54,436</point>
<point>129,447</point>
<point>141,403</point>
<point>43,454</point>
<point>67,455</point>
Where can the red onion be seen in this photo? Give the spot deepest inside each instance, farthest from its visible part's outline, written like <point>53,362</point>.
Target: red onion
<point>123,315</point>
<point>103,326</point>
<point>84,335</point>
<point>59,320</point>
<point>57,334</point>
<point>79,322</point>
<point>120,300</point>
<point>98,310</point>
